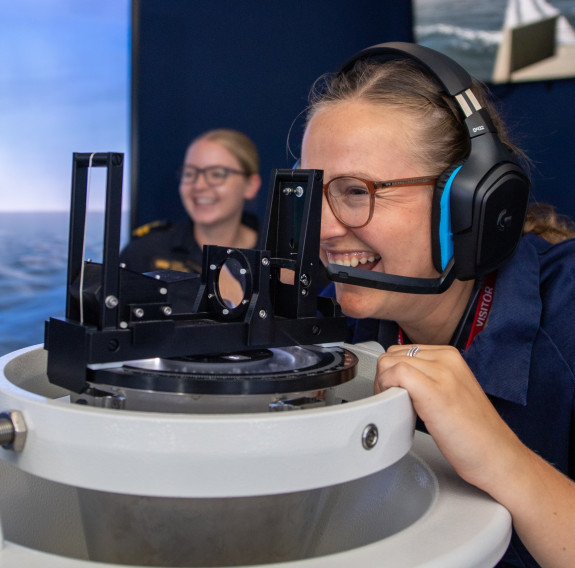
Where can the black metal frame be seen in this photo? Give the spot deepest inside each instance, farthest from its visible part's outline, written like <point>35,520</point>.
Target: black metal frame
<point>129,316</point>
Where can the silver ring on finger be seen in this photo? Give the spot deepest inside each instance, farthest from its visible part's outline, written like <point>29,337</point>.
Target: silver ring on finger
<point>413,351</point>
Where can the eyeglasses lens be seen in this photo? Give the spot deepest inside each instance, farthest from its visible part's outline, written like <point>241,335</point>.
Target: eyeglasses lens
<point>350,201</point>
<point>214,175</point>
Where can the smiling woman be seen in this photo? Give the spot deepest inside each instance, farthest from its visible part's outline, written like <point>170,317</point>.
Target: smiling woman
<point>220,172</point>
<point>487,360</point>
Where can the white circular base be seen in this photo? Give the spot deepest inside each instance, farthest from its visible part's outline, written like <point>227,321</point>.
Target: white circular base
<point>216,455</point>
<point>391,508</point>
<point>460,527</point>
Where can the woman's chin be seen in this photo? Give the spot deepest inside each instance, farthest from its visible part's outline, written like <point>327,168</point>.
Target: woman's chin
<point>354,304</point>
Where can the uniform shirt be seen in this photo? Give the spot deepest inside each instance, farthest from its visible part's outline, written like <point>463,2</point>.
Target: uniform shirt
<point>168,246</point>
<point>524,358</point>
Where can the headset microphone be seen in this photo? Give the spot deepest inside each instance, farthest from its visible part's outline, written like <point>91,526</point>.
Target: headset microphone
<point>371,279</point>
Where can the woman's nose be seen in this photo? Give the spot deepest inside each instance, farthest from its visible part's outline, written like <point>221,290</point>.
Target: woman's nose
<point>200,183</point>
<point>330,226</point>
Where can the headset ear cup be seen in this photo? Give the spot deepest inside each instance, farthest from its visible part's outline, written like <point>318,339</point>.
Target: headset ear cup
<point>441,237</point>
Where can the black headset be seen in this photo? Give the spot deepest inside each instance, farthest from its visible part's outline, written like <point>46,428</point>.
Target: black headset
<point>479,205</point>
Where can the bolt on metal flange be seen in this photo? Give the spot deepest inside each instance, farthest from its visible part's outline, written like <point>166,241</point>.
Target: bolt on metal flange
<point>12,430</point>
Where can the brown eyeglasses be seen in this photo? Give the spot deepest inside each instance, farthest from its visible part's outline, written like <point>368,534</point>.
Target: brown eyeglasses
<point>351,199</point>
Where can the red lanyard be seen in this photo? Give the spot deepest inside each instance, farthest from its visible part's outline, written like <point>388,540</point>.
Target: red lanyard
<point>483,307</point>
<point>484,303</point>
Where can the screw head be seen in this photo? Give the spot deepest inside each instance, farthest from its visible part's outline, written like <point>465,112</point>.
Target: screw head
<point>369,436</point>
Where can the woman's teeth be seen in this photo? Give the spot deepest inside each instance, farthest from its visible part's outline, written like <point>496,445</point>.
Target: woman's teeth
<point>354,261</point>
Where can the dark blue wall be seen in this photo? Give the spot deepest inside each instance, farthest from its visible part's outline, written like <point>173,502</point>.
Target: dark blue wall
<point>202,64</point>
<point>542,121</point>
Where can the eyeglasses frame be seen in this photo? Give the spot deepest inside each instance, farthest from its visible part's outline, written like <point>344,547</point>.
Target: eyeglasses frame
<point>373,187</point>
<point>204,170</point>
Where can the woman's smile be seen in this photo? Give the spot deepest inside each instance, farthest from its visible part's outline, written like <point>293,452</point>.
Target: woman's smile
<point>366,260</point>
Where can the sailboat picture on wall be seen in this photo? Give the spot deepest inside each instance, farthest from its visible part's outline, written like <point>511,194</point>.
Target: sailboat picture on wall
<point>502,41</point>
<point>538,42</point>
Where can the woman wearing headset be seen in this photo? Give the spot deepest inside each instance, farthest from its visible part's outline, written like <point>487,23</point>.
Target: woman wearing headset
<point>489,363</point>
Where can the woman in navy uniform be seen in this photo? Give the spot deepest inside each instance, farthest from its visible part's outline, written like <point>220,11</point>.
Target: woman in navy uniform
<point>220,172</point>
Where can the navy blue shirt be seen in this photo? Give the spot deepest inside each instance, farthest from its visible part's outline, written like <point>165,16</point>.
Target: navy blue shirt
<point>525,356</point>
<point>165,245</point>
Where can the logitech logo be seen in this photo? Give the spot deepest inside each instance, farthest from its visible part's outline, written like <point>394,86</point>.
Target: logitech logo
<point>504,220</point>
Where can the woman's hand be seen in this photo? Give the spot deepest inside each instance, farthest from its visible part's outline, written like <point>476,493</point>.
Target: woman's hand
<point>484,450</point>
<point>453,406</point>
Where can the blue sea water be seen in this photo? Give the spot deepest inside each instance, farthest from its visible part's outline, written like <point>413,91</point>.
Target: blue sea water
<point>33,265</point>
<point>469,31</point>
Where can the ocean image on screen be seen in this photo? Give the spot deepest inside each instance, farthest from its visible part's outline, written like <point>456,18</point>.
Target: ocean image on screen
<point>64,88</point>
<point>33,270</point>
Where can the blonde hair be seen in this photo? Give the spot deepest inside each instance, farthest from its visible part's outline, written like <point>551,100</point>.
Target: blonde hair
<point>438,135</point>
<point>238,144</point>
<point>543,220</point>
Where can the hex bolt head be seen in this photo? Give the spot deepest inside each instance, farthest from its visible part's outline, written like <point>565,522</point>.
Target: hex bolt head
<point>12,430</point>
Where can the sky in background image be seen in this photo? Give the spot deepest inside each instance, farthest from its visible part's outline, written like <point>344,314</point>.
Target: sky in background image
<point>64,88</point>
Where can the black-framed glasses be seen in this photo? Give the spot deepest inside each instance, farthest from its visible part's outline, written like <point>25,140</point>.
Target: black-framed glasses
<point>351,199</point>
<point>214,175</point>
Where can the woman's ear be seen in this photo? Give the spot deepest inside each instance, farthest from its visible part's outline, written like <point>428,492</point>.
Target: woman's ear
<point>253,186</point>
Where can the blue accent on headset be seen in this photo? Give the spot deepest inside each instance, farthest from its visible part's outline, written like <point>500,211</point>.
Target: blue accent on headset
<point>445,233</point>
